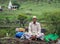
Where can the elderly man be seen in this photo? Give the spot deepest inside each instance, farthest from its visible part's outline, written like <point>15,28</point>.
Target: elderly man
<point>34,29</point>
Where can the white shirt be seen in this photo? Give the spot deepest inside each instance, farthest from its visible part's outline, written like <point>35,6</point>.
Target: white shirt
<point>34,29</point>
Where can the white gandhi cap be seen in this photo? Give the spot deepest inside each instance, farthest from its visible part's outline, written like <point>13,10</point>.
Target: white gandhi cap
<point>34,17</point>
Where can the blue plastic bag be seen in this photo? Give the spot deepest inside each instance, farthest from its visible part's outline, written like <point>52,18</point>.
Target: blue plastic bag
<point>19,34</point>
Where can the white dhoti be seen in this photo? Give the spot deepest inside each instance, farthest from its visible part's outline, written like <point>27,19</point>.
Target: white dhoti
<point>28,35</point>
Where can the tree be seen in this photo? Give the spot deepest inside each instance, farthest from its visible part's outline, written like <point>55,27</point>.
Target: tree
<point>22,18</point>
<point>49,1</point>
<point>16,3</point>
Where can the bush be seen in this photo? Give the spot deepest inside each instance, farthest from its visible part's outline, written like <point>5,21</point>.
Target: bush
<point>53,20</point>
<point>10,31</point>
<point>22,18</point>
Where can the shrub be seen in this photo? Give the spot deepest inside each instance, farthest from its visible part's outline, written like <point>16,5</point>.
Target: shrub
<point>11,32</point>
<point>22,18</point>
<point>53,20</point>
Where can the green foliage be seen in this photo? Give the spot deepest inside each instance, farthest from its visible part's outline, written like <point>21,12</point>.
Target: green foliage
<point>53,17</point>
<point>22,18</point>
<point>2,33</point>
<point>11,32</point>
<point>15,2</point>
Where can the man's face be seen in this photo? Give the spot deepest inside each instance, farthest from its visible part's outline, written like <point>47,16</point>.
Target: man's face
<point>34,19</point>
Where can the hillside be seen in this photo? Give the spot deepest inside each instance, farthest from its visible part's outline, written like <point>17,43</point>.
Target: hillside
<point>29,7</point>
<point>49,12</point>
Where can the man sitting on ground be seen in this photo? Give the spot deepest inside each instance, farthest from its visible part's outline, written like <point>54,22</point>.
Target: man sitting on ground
<point>34,30</point>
